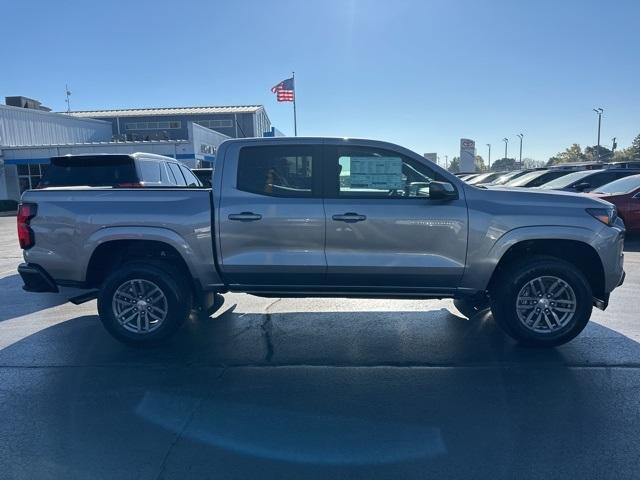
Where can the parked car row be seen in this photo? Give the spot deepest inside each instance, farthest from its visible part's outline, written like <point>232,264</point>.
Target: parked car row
<point>617,183</point>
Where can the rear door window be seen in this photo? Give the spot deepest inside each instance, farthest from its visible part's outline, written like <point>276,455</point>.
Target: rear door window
<point>278,171</point>
<point>180,181</point>
<point>90,171</point>
<point>150,172</point>
<point>192,180</point>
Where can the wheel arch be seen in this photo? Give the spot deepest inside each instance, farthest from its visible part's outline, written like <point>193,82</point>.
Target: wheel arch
<point>110,254</point>
<point>576,252</point>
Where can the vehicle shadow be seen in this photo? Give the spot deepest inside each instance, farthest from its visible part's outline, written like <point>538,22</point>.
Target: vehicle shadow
<point>16,302</point>
<point>340,339</point>
<point>317,395</point>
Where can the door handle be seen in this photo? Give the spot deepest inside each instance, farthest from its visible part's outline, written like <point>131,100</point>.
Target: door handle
<point>245,216</point>
<point>349,217</point>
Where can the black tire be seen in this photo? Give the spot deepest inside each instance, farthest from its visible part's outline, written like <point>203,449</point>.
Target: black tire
<point>505,292</point>
<point>170,282</point>
<point>471,306</point>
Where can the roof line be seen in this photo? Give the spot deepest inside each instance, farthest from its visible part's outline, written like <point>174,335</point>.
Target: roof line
<point>164,108</point>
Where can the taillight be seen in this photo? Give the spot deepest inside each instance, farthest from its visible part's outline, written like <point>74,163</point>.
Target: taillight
<point>26,211</point>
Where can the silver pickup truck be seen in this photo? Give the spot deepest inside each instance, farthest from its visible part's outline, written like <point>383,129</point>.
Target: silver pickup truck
<point>300,217</point>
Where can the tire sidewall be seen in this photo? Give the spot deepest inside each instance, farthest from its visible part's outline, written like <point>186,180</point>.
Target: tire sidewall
<point>503,304</point>
<point>177,295</point>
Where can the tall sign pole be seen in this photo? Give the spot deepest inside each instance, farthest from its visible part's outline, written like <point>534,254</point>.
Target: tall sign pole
<point>521,136</point>
<point>68,100</point>
<point>295,94</point>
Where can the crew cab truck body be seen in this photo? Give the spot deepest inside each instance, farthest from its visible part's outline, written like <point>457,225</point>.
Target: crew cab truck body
<point>325,217</point>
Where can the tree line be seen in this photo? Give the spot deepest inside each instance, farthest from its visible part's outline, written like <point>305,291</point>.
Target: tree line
<point>573,153</point>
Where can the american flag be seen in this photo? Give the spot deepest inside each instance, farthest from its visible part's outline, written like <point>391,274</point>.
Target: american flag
<point>284,90</point>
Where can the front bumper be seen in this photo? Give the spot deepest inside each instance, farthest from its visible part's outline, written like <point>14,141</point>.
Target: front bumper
<point>36,279</point>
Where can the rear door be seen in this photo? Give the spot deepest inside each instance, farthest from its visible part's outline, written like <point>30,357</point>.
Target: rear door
<point>383,230</point>
<point>271,215</point>
<point>632,212</point>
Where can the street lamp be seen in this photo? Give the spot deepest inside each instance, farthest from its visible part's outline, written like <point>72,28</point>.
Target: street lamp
<point>521,137</point>
<point>506,142</point>
<point>489,145</point>
<point>598,111</point>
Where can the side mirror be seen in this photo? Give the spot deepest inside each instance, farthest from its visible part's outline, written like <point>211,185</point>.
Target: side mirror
<point>442,191</point>
<point>581,187</point>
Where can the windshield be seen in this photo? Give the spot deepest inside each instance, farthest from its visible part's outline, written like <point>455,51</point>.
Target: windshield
<point>524,179</point>
<point>566,180</point>
<point>622,185</point>
<point>507,177</point>
<point>481,178</point>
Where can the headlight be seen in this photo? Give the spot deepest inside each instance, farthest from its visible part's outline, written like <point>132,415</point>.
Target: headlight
<point>605,215</point>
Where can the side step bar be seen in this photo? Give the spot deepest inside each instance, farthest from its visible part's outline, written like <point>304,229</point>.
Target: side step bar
<point>85,297</point>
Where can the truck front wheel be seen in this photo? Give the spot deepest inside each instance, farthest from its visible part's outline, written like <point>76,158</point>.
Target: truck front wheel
<point>144,303</point>
<point>542,301</point>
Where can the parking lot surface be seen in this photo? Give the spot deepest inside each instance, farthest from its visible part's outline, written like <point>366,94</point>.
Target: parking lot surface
<point>314,388</point>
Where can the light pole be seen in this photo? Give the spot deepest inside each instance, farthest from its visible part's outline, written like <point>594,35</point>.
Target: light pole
<point>506,143</point>
<point>521,137</point>
<point>599,113</point>
<point>489,145</point>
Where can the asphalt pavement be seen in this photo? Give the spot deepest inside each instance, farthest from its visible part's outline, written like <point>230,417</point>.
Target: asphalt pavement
<point>314,388</point>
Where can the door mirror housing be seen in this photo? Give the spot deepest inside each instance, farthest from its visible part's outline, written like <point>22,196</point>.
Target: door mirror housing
<point>581,187</point>
<point>442,191</point>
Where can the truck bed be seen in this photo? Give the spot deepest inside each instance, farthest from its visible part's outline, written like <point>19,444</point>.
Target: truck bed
<point>71,224</point>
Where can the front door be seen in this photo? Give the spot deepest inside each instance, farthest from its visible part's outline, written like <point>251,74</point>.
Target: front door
<point>271,216</point>
<point>383,230</point>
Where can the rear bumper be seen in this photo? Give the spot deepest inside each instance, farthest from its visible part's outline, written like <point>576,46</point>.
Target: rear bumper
<point>36,279</point>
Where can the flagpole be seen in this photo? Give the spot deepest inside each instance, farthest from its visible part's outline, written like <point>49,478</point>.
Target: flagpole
<point>295,120</point>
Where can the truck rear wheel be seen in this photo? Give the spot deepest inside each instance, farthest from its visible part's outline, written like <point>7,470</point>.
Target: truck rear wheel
<point>542,301</point>
<point>144,303</point>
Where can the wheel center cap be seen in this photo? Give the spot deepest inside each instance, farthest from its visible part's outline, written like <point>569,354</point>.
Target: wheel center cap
<point>543,302</point>
<point>142,304</point>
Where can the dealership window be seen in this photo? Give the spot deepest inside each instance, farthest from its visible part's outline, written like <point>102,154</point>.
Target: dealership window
<point>29,175</point>
<point>216,123</point>
<point>276,171</point>
<point>153,125</point>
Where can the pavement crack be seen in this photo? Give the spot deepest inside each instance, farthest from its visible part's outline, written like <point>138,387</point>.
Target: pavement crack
<point>266,328</point>
<point>178,436</point>
<point>183,429</point>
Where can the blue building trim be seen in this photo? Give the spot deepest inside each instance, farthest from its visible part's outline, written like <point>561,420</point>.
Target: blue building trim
<point>27,161</point>
<point>46,160</point>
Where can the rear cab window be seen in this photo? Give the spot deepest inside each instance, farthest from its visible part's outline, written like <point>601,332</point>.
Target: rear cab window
<point>90,171</point>
<point>279,171</point>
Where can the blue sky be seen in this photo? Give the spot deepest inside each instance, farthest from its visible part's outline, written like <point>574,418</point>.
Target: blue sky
<point>418,73</point>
